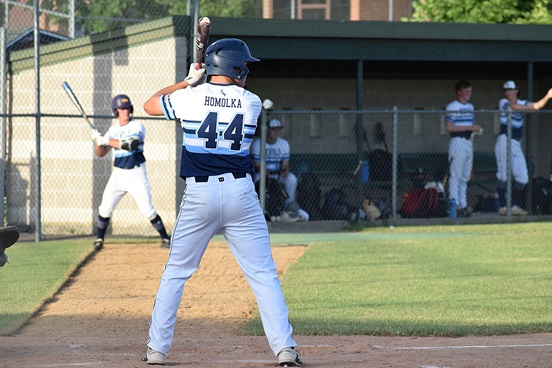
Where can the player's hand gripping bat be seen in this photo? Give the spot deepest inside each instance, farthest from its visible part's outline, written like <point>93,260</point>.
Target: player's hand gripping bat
<point>203,27</point>
<point>73,98</point>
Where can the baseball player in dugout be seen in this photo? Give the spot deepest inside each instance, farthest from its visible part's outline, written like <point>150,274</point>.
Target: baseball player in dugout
<point>277,159</point>
<point>518,162</point>
<point>218,119</point>
<point>129,169</point>
<point>460,123</point>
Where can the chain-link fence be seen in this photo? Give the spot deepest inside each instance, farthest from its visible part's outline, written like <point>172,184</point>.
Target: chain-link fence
<point>336,156</point>
<point>76,18</point>
<point>53,181</point>
<point>345,160</point>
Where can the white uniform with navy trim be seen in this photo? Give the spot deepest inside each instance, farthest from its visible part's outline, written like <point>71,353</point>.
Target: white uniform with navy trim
<point>519,164</point>
<point>276,153</point>
<point>460,153</point>
<point>129,173</point>
<point>218,122</point>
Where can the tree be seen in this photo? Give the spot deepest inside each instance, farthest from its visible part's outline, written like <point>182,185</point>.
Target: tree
<point>483,11</point>
<point>231,8</point>
<point>103,15</point>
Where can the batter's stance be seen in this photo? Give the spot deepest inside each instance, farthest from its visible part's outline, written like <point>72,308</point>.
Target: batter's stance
<point>460,123</point>
<point>129,171</point>
<point>518,163</point>
<point>219,119</point>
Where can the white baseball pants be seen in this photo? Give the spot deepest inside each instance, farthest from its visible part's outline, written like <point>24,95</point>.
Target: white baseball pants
<point>232,207</point>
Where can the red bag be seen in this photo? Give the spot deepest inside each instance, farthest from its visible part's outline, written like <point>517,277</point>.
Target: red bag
<point>423,202</point>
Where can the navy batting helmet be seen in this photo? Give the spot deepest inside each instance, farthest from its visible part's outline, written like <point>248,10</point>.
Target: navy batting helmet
<point>228,57</point>
<point>121,102</point>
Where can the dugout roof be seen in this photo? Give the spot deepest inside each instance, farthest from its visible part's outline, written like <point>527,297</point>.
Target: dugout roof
<point>358,50</point>
<point>395,50</point>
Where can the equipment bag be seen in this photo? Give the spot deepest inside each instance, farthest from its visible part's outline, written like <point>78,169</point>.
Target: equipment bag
<point>336,207</point>
<point>381,165</point>
<point>276,196</point>
<point>423,203</point>
<point>309,195</point>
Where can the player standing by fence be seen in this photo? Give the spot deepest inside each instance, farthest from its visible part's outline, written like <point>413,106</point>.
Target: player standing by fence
<point>219,120</point>
<point>129,169</point>
<point>460,124</point>
<point>517,159</point>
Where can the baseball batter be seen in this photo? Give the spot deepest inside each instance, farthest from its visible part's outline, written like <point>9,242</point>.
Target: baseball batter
<point>517,158</point>
<point>459,121</point>
<point>218,120</point>
<point>129,169</point>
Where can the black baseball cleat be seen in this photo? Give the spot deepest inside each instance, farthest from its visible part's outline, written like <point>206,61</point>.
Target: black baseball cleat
<point>98,244</point>
<point>288,357</point>
<point>166,243</point>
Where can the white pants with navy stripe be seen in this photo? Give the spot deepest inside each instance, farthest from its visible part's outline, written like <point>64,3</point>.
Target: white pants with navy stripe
<point>230,206</point>
<point>461,162</point>
<point>517,160</point>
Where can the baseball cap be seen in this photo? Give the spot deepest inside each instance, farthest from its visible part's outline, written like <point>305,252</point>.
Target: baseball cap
<point>509,85</point>
<point>275,124</point>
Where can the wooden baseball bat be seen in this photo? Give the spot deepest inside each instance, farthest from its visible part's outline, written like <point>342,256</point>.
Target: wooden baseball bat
<point>76,102</point>
<point>203,29</point>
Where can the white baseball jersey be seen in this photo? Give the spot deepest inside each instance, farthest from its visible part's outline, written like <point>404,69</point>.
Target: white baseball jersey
<point>460,114</point>
<point>134,128</point>
<point>129,173</point>
<point>517,118</point>
<point>275,153</point>
<point>460,151</point>
<point>519,164</point>
<point>218,122</point>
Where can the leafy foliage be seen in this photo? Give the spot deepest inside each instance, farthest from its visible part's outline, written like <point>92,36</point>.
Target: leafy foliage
<point>483,11</point>
<point>231,8</point>
<point>104,15</point>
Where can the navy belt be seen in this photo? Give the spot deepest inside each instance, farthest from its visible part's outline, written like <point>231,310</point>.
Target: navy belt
<point>205,179</point>
<point>130,168</point>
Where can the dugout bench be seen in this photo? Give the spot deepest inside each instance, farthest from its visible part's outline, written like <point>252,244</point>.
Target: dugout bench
<point>336,170</point>
<point>333,169</point>
<point>435,166</point>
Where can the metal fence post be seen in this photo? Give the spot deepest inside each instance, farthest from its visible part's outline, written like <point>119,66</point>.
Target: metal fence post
<point>38,228</point>
<point>262,171</point>
<point>3,39</point>
<point>394,180</point>
<point>509,164</point>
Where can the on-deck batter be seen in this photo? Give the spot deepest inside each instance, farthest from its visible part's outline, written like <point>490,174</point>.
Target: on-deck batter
<point>460,124</point>
<point>218,119</point>
<point>129,169</point>
<point>518,163</point>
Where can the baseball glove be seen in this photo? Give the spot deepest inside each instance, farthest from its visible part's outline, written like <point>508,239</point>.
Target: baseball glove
<point>130,144</point>
<point>371,211</point>
<point>8,237</point>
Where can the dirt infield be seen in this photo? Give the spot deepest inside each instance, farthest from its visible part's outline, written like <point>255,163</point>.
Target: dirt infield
<point>100,319</point>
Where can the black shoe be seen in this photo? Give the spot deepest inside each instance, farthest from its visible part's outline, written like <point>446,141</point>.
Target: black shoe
<point>166,243</point>
<point>98,244</point>
<point>463,212</point>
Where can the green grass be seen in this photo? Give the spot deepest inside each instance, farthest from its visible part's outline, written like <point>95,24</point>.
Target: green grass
<point>422,281</point>
<point>35,273</point>
<point>438,281</point>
